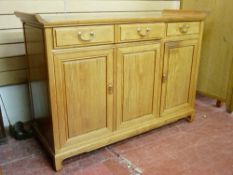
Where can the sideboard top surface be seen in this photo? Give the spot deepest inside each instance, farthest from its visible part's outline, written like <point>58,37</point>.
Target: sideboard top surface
<point>107,18</point>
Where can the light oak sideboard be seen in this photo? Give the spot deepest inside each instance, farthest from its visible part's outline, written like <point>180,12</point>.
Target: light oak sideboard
<point>102,79</point>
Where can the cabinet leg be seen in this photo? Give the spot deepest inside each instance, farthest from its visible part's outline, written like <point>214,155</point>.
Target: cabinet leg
<point>57,164</point>
<point>218,104</point>
<point>229,110</point>
<point>229,106</point>
<point>191,118</point>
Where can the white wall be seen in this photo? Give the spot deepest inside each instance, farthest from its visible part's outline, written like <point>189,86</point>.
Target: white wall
<point>16,102</point>
<point>12,44</point>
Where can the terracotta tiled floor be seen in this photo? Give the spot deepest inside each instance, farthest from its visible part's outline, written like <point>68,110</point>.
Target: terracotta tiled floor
<point>203,147</point>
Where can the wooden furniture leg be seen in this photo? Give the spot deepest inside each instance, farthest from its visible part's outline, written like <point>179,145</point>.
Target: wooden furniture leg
<point>191,118</point>
<point>229,110</point>
<point>57,164</point>
<point>218,104</point>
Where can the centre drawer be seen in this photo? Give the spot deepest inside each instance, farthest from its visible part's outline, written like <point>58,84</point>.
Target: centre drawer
<point>143,31</point>
<point>83,35</point>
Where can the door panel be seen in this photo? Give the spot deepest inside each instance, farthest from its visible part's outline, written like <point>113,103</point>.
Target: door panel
<point>137,84</point>
<point>178,75</point>
<point>85,107</point>
<point>85,82</point>
<point>179,72</point>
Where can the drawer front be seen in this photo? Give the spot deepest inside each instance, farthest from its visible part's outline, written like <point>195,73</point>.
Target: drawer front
<point>143,31</point>
<point>184,28</point>
<point>85,35</point>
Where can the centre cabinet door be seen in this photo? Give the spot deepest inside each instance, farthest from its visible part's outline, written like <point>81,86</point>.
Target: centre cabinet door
<point>84,94</point>
<point>137,84</point>
<point>179,77</point>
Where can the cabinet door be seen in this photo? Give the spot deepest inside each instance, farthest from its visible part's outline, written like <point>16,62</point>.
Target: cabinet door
<point>137,84</point>
<point>179,76</point>
<point>84,102</point>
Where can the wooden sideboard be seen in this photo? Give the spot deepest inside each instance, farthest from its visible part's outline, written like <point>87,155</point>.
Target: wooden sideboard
<point>103,79</point>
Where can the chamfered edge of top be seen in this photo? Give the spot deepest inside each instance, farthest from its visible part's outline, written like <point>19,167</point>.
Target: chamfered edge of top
<point>101,18</point>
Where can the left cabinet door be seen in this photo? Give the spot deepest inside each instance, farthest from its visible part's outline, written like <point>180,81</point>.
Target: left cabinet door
<point>84,97</point>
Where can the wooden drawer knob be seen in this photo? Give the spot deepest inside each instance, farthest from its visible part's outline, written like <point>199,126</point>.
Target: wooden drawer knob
<point>184,28</point>
<point>164,78</point>
<point>86,37</point>
<point>110,88</point>
<point>142,32</point>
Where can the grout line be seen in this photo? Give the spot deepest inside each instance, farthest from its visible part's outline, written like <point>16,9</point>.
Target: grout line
<point>20,159</point>
<point>10,29</point>
<point>12,70</point>
<point>98,11</point>
<point>9,43</point>
<point>133,169</point>
<point>65,6</point>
